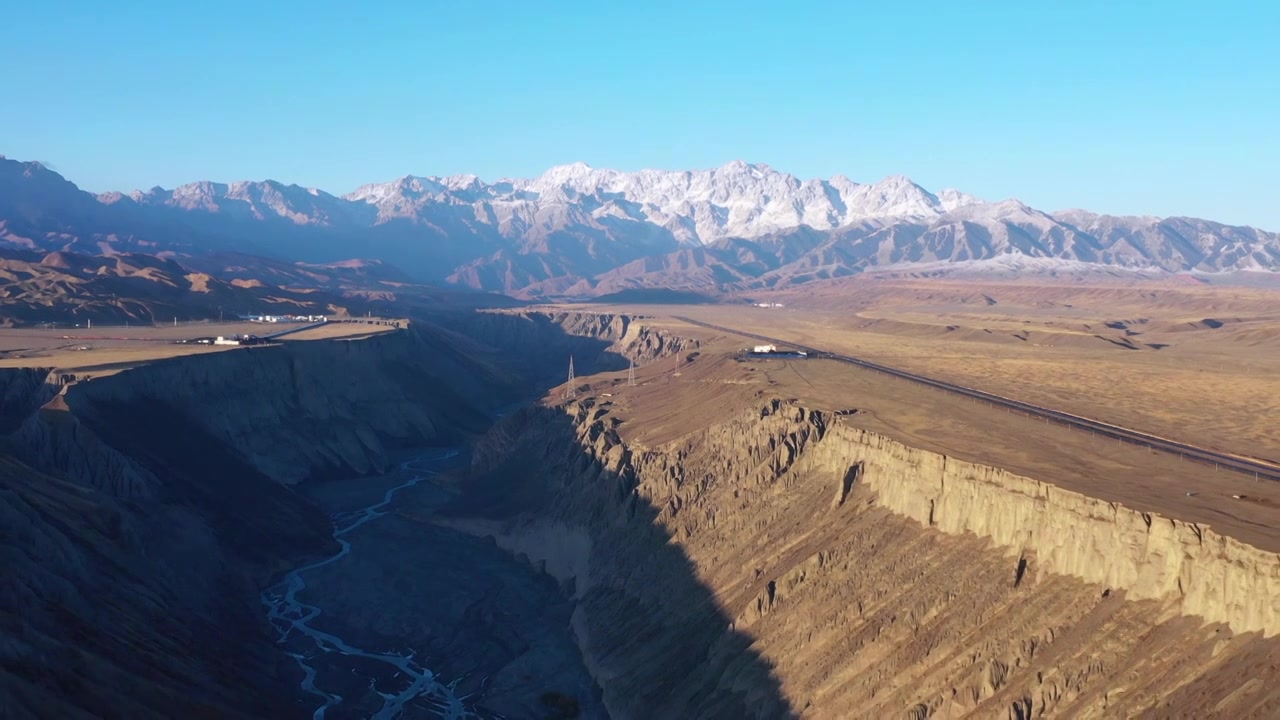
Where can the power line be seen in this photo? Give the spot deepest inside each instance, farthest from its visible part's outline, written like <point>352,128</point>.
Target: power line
<point>568,388</point>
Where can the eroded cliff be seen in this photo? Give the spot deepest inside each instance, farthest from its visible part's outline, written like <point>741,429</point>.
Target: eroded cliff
<point>303,410</point>
<point>144,511</point>
<point>1149,557</point>
<point>776,562</point>
<point>598,341</point>
<point>782,562</point>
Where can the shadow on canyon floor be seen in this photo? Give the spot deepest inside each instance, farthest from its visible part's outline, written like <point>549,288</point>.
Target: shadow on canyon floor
<point>213,521</point>
<point>649,629</point>
<point>651,632</point>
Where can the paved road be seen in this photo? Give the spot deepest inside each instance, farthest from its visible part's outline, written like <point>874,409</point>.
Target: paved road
<point>1189,452</point>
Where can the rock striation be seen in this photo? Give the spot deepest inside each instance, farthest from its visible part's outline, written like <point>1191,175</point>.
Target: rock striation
<point>776,562</point>
<point>785,562</point>
<point>601,340</point>
<point>1149,557</point>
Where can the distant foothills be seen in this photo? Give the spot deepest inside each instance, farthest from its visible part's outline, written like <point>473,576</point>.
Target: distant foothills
<point>580,232</point>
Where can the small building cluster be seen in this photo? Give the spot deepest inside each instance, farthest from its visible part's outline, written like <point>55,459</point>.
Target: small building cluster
<point>222,340</point>
<point>772,351</point>
<point>284,318</point>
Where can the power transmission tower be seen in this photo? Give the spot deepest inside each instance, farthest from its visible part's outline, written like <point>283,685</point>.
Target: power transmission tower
<point>631,374</point>
<point>568,388</point>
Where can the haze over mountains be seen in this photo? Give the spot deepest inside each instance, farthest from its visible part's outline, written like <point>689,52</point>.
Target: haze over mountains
<point>580,231</point>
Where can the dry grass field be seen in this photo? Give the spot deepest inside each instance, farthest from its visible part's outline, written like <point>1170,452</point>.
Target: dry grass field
<point>1196,364</point>
<point>1214,386</point>
<point>859,613</point>
<point>668,403</point>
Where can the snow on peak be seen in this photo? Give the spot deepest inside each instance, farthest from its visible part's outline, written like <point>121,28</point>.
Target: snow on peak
<point>897,181</point>
<point>561,174</point>
<point>461,182</point>
<point>950,199</point>
<point>737,199</point>
<point>1087,218</point>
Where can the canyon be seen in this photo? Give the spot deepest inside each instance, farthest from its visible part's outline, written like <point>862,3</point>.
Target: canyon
<point>718,539</point>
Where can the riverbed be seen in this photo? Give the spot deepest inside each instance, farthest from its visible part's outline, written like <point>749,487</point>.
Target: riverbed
<point>412,620</point>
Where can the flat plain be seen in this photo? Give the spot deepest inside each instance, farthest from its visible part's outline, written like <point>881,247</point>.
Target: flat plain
<point>1214,384</point>
<point>105,350</point>
<point>1192,363</point>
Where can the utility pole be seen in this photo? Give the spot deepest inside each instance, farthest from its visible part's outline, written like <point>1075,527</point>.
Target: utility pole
<point>631,374</point>
<point>568,388</point>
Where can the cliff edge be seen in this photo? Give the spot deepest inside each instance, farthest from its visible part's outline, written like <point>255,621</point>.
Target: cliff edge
<point>809,567</point>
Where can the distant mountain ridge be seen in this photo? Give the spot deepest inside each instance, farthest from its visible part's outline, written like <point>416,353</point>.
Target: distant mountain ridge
<point>582,231</point>
<point>697,207</point>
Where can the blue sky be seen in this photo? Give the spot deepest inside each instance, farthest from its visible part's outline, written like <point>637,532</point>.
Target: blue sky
<point>1134,107</point>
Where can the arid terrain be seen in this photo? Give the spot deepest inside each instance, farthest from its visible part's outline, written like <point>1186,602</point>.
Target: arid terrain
<point>605,361</point>
<point>726,536</point>
<point>880,549</point>
<point>67,290</point>
<point>107,349</point>
<point>1196,363</point>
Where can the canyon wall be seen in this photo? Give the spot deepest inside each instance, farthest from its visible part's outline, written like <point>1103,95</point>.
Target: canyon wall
<point>544,339</point>
<point>1149,557</point>
<point>307,410</point>
<point>145,510</point>
<point>22,390</point>
<point>629,336</point>
<point>784,563</point>
<point>780,562</point>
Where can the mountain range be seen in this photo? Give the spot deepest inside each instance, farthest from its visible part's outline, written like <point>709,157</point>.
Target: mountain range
<point>577,231</point>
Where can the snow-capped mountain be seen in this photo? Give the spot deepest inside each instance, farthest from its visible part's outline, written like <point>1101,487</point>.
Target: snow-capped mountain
<point>695,207</point>
<point>251,200</point>
<point>579,230</point>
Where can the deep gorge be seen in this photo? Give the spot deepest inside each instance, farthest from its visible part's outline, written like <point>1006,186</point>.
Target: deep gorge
<point>776,563</point>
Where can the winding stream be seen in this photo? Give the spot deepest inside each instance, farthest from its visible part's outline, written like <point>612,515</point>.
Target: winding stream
<point>289,615</point>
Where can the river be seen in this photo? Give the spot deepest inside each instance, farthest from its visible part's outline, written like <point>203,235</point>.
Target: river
<point>419,620</point>
<point>290,615</point>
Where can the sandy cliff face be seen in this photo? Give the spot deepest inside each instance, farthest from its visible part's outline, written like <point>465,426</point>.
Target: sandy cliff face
<point>779,562</point>
<point>597,341</point>
<point>628,335</point>
<point>783,563</point>
<point>1149,557</point>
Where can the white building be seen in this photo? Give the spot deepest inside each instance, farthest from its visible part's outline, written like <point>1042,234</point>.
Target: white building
<point>765,348</point>
<point>225,341</point>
